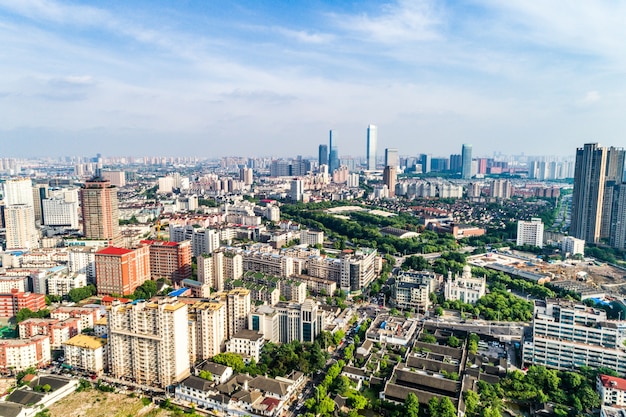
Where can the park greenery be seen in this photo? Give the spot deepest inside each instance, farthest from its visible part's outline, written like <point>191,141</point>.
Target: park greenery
<point>78,294</point>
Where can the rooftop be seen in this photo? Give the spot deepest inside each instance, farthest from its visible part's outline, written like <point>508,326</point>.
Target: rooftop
<point>112,250</point>
<point>86,342</point>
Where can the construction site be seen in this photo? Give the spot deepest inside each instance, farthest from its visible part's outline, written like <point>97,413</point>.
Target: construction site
<point>588,277</point>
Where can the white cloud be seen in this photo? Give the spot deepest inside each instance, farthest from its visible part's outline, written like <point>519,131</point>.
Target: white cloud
<point>405,21</point>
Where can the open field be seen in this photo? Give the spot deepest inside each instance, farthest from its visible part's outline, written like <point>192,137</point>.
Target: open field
<point>94,403</point>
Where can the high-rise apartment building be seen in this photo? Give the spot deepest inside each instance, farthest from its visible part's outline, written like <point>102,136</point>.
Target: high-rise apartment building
<point>238,305</point>
<point>296,190</point>
<point>246,175</point>
<point>587,199</point>
<point>466,161</point>
<point>617,231</point>
<point>21,232</point>
<point>100,212</point>
<point>121,271</point>
<point>207,329</point>
<point>149,341</point>
<point>389,179</point>
<point>171,260</point>
<point>530,233</point>
<point>117,178</point>
<point>613,182</point>
<point>19,214</point>
<point>372,137</point>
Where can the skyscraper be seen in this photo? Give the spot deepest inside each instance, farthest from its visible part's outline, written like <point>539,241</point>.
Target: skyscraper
<point>372,136</point>
<point>466,161</point>
<point>392,158</point>
<point>613,180</point>
<point>587,199</point>
<point>389,179</point>
<point>322,158</point>
<point>19,213</point>
<point>333,157</point>
<point>100,211</point>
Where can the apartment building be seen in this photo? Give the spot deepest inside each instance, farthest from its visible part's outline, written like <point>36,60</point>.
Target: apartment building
<point>149,341</point>
<point>14,301</point>
<point>247,343</point>
<point>19,354</point>
<point>62,284</point>
<point>87,315</point>
<point>207,329</point>
<point>530,233</point>
<point>58,330</point>
<point>82,260</point>
<point>412,289</point>
<point>171,260</point>
<point>286,322</point>
<point>311,237</point>
<point>567,335</point>
<point>120,270</point>
<point>86,353</point>
<point>612,390</point>
<point>269,263</point>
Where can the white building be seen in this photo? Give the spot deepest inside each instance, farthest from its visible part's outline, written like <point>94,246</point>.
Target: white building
<point>311,237</point>
<point>21,232</point>
<point>465,288</point>
<point>59,213</point>
<point>61,284</point>
<point>567,334</point>
<point>20,354</point>
<point>85,353</point>
<point>530,233</point>
<point>246,343</point>
<point>83,261</point>
<point>573,246</point>
<point>612,390</point>
<point>149,341</point>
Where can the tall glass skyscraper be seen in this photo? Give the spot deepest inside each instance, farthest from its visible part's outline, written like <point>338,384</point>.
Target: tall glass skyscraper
<point>323,155</point>
<point>372,136</point>
<point>333,158</point>
<point>466,160</point>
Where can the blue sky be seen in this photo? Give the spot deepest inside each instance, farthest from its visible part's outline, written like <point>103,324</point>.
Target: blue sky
<point>267,78</point>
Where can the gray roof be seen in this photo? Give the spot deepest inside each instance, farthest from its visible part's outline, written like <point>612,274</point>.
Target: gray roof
<point>214,368</point>
<point>8,409</point>
<point>248,334</point>
<point>24,397</point>
<point>197,383</point>
<point>269,385</point>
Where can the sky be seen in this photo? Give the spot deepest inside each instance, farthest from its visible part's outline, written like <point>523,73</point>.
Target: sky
<point>268,78</point>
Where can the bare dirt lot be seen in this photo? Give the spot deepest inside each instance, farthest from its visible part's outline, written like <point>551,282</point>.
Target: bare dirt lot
<point>94,403</point>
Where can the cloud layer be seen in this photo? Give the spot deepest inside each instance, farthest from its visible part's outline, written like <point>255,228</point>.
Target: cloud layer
<point>245,79</point>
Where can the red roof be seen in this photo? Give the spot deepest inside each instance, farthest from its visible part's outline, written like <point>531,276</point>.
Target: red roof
<point>112,250</point>
<point>613,382</point>
<point>159,243</point>
<point>270,402</point>
<point>109,299</point>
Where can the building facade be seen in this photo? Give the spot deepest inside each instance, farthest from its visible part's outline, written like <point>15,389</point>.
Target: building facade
<point>149,341</point>
<point>530,232</point>
<point>100,212</point>
<point>121,271</point>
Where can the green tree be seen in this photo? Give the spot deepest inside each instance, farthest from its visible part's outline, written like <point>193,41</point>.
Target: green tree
<point>357,401</point>
<point>411,405</point>
<point>230,359</point>
<point>454,341</point>
<point>206,375</point>
<point>472,402</point>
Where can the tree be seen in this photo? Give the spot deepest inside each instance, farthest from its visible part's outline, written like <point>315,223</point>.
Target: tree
<point>411,405</point>
<point>472,402</point>
<point>454,341</point>
<point>439,311</point>
<point>206,375</point>
<point>230,359</point>
<point>79,294</point>
<point>357,401</point>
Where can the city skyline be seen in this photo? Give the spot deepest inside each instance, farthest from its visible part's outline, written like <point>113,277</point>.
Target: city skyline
<point>137,78</point>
